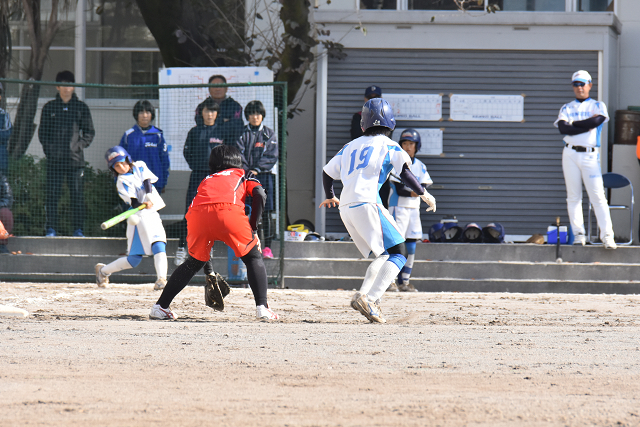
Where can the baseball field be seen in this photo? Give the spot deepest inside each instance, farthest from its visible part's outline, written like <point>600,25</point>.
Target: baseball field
<point>87,357</point>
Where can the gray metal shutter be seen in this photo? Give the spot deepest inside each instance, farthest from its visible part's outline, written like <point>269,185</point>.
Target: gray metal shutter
<point>504,172</point>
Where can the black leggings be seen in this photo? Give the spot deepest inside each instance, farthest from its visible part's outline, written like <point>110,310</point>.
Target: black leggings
<point>256,273</point>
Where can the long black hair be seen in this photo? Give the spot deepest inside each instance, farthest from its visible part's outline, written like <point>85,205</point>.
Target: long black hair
<point>224,157</point>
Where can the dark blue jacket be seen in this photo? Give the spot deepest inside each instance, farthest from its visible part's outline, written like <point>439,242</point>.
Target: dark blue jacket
<point>259,148</point>
<point>150,147</point>
<point>229,119</point>
<point>200,140</point>
<point>65,130</point>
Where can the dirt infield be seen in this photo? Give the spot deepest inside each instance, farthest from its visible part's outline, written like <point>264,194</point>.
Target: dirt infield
<point>89,356</point>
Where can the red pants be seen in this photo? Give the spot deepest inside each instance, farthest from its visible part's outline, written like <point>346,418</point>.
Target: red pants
<point>225,222</point>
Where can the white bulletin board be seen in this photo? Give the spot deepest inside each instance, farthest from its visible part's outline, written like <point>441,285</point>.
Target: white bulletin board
<point>415,107</point>
<point>487,108</point>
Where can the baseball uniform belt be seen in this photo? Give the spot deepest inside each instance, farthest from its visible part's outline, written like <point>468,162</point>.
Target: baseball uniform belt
<point>581,149</point>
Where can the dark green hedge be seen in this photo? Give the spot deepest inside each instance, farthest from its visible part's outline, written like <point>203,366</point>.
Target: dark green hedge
<point>27,180</point>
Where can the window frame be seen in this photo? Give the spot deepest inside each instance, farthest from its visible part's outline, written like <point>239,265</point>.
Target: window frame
<point>570,6</point>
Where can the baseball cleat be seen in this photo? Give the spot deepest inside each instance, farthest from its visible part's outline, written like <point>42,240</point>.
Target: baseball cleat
<point>355,298</point>
<point>407,287</point>
<point>213,292</point>
<point>265,313</point>
<point>368,309</point>
<point>101,279</point>
<point>393,287</point>
<point>609,243</point>
<point>160,284</point>
<point>580,240</point>
<point>159,313</point>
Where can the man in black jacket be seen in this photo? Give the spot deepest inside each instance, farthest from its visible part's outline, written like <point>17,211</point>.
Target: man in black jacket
<point>229,121</point>
<point>66,129</point>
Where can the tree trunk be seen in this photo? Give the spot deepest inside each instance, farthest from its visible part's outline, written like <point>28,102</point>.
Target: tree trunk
<point>24,127</point>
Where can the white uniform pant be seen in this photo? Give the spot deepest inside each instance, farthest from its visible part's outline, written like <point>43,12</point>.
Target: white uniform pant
<point>585,167</point>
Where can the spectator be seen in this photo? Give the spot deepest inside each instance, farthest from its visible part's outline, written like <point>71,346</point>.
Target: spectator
<point>197,148</point>
<point>230,115</point>
<point>145,142</point>
<point>6,217</point>
<point>259,148</point>
<point>66,129</point>
<point>369,93</point>
<point>5,133</point>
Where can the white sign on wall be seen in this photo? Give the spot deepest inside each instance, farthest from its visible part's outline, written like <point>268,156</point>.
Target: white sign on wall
<point>415,107</point>
<point>177,106</point>
<point>430,138</point>
<point>487,108</point>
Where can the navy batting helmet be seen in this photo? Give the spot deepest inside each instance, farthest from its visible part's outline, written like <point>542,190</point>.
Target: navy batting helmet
<point>377,112</point>
<point>117,154</point>
<point>411,135</point>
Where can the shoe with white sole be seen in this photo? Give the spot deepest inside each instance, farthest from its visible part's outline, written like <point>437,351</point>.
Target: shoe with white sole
<point>368,309</point>
<point>265,313</point>
<point>393,287</point>
<point>407,287</point>
<point>101,279</point>
<point>160,284</point>
<point>159,313</point>
<point>580,239</point>
<point>609,243</point>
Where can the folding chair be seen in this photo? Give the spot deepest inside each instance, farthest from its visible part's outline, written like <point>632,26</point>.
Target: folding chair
<point>615,180</point>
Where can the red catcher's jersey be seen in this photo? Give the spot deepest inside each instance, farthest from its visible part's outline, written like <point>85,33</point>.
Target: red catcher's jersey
<point>227,186</point>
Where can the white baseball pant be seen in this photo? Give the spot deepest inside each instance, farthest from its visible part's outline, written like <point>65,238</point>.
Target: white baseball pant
<point>585,167</point>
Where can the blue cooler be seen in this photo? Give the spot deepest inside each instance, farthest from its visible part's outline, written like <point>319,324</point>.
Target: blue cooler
<point>552,234</point>
<point>235,267</point>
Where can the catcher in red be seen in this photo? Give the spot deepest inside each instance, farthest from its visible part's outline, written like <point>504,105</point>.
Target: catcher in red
<point>217,213</point>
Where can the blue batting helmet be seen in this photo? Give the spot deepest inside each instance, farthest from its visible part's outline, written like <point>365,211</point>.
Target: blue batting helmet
<point>411,135</point>
<point>377,112</point>
<point>116,154</point>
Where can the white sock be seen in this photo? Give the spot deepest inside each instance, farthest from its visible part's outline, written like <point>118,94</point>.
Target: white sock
<point>372,272</point>
<point>117,265</point>
<point>385,276</point>
<point>161,264</point>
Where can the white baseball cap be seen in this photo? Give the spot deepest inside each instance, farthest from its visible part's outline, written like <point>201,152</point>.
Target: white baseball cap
<point>581,76</point>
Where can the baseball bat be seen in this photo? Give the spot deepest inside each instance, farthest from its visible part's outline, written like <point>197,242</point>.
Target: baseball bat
<point>119,218</point>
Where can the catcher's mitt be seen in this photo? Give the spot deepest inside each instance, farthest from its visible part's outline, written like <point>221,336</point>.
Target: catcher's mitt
<point>215,289</point>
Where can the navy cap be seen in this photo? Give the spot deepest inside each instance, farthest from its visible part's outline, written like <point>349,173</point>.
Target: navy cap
<point>372,90</point>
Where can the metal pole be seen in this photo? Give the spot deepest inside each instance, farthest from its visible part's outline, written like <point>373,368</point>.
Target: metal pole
<point>81,47</point>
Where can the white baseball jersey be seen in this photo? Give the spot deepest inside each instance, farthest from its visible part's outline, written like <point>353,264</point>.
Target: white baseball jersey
<point>363,165</point>
<point>575,111</point>
<point>149,230</point>
<point>420,171</point>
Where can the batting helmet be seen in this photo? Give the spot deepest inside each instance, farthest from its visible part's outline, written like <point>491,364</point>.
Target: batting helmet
<point>451,232</point>
<point>493,233</point>
<point>436,234</point>
<point>411,135</point>
<point>472,233</point>
<point>117,154</point>
<point>377,112</point>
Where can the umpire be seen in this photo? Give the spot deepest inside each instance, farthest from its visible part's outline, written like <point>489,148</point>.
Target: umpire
<point>66,129</point>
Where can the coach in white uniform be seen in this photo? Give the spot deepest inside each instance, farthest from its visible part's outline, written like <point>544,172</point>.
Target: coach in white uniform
<point>581,122</point>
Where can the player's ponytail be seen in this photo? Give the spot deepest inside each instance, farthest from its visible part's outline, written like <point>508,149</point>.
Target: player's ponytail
<point>224,157</point>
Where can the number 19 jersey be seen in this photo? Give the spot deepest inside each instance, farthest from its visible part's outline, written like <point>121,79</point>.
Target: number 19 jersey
<point>363,165</point>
